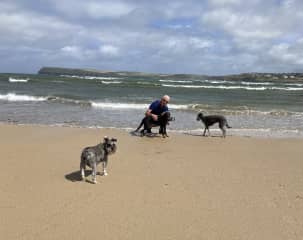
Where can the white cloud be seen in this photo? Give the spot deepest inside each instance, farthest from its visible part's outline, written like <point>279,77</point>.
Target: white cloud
<point>32,27</point>
<point>239,24</point>
<point>94,9</point>
<point>289,54</point>
<point>225,2</point>
<point>108,9</point>
<point>173,36</point>
<point>109,50</point>
<point>73,52</point>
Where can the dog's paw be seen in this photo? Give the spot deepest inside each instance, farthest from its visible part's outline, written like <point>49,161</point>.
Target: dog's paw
<point>104,173</point>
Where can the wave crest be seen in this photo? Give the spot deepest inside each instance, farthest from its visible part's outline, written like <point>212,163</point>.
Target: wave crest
<point>12,97</point>
<point>13,80</point>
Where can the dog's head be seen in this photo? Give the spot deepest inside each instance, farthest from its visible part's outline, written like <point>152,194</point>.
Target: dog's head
<point>110,145</point>
<point>166,118</point>
<point>199,116</point>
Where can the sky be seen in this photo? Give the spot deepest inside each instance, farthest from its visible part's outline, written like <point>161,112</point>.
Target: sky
<point>213,37</point>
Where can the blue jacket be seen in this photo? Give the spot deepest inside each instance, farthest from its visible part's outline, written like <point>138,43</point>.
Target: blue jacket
<point>156,108</point>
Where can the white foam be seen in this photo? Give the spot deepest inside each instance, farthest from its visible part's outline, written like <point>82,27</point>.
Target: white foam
<point>13,80</point>
<point>175,81</point>
<point>234,87</point>
<point>111,82</point>
<point>247,132</point>
<point>111,105</point>
<point>90,77</point>
<point>287,88</point>
<point>256,83</point>
<point>217,81</point>
<point>295,84</point>
<point>12,97</point>
<point>212,87</point>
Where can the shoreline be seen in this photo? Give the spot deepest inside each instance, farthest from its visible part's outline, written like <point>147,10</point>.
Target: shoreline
<point>215,132</point>
<point>181,187</point>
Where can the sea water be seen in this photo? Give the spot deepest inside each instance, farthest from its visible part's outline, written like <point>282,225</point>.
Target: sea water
<point>267,108</point>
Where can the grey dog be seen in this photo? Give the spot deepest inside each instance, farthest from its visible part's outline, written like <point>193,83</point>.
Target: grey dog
<point>212,119</point>
<point>92,156</point>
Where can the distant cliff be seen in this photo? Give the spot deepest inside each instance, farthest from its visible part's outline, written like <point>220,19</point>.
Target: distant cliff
<point>234,77</point>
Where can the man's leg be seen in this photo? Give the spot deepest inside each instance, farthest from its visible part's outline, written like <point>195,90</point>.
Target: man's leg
<point>147,121</point>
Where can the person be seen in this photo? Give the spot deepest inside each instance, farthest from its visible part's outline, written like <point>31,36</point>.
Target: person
<point>156,108</point>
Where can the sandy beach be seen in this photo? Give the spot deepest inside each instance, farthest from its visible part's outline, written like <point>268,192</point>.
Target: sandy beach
<point>181,187</point>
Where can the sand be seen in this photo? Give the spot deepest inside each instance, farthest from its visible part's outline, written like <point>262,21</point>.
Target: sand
<point>181,187</point>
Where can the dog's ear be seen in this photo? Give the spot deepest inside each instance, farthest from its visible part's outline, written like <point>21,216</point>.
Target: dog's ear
<point>199,116</point>
<point>114,140</point>
<point>106,139</point>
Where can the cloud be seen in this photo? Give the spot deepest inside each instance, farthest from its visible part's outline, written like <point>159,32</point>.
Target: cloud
<point>109,50</point>
<point>207,37</point>
<point>242,25</point>
<point>289,54</point>
<point>94,9</point>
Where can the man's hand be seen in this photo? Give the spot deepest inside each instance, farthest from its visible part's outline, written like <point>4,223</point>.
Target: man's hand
<point>155,117</point>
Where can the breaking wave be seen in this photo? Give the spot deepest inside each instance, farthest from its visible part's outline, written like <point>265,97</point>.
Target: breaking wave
<point>208,109</point>
<point>111,82</point>
<point>90,77</point>
<point>234,87</point>
<point>13,80</point>
<point>12,97</point>
<point>175,81</point>
<point>112,105</point>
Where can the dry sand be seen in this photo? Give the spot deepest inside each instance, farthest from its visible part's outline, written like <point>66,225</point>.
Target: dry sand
<point>182,187</point>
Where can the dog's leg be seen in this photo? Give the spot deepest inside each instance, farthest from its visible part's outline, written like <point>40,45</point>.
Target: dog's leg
<point>82,169</point>
<point>208,131</point>
<point>204,131</point>
<point>222,127</point>
<point>223,132</point>
<point>165,132</point>
<point>161,131</point>
<point>104,168</point>
<point>94,172</point>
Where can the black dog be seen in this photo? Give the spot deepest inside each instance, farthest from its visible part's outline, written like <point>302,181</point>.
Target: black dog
<point>163,121</point>
<point>212,119</point>
<point>92,156</point>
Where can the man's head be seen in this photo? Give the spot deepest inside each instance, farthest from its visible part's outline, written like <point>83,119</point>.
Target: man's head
<point>165,99</point>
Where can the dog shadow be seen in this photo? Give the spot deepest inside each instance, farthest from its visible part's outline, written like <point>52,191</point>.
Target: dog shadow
<point>201,135</point>
<point>76,176</point>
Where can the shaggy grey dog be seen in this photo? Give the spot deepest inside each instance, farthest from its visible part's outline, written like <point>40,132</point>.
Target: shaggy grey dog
<point>92,156</point>
<point>212,119</point>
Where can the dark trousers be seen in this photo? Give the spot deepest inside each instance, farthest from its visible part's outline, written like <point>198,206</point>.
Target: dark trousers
<point>149,122</point>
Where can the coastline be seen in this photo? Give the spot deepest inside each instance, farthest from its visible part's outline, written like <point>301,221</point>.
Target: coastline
<point>181,187</point>
<point>215,131</point>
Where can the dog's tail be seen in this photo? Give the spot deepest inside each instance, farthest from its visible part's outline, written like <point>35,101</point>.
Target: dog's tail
<point>138,128</point>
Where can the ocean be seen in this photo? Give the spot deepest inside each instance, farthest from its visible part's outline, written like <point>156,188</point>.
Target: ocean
<point>268,108</point>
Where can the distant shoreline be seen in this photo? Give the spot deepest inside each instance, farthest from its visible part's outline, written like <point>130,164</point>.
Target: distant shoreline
<point>242,76</point>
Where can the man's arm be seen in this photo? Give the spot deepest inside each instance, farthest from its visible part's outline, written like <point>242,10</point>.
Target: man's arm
<point>154,116</point>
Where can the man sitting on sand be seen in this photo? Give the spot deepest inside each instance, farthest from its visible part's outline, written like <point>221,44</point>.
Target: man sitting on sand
<point>156,108</point>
